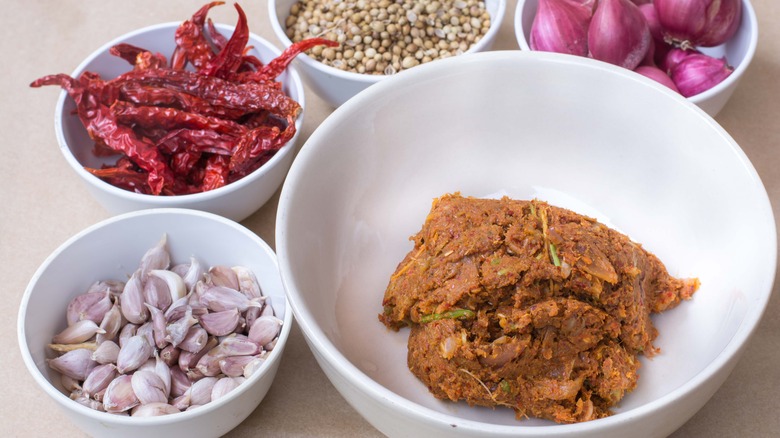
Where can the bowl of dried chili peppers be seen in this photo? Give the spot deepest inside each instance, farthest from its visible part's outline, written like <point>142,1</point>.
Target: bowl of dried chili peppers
<point>185,114</point>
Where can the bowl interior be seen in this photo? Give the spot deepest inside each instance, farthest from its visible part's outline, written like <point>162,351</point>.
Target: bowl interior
<point>575,132</point>
<point>112,250</point>
<point>76,144</point>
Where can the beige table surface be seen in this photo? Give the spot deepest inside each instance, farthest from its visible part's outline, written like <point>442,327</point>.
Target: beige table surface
<point>44,203</point>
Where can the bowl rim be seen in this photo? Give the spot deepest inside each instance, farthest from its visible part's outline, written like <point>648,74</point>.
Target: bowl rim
<point>104,417</point>
<point>294,82</point>
<point>748,17</point>
<point>368,79</point>
<point>325,349</point>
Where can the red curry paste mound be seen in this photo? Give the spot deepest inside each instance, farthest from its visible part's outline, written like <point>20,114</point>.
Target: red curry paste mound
<point>529,306</point>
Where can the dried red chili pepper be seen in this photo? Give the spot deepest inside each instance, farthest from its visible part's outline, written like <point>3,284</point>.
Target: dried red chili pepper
<point>101,125</point>
<point>192,44</point>
<point>200,140</point>
<point>230,58</point>
<point>146,95</point>
<point>217,171</point>
<point>171,118</point>
<point>137,57</point>
<point>249,97</point>
<point>273,69</point>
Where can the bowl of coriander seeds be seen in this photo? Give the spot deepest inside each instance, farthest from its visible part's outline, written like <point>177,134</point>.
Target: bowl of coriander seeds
<point>380,38</point>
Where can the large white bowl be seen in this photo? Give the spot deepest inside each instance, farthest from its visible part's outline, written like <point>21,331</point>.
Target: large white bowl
<point>236,200</point>
<point>112,249</point>
<point>336,86</point>
<point>738,51</point>
<point>577,133</point>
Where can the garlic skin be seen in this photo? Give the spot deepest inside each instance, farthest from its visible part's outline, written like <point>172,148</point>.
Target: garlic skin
<point>697,73</point>
<point>561,26</point>
<point>698,23</point>
<point>618,34</point>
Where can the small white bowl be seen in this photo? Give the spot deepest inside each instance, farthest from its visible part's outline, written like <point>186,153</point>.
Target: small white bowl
<point>336,86</point>
<point>738,51</point>
<point>578,133</point>
<point>112,249</point>
<point>236,200</point>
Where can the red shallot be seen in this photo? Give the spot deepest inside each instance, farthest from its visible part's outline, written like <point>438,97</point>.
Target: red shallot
<point>692,23</point>
<point>618,33</point>
<point>561,26</point>
<point>698,72</point>
<point>657,75</point>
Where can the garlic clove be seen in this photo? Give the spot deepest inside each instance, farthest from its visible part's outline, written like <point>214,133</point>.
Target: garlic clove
<point>252,367</point>
<point>133,354</point>
<point>176,287</point>
<point>126,332</point>
<point>247,282</point>
<point>233,366</point>
<point>148,387</point>
<point>238,345</point>
<point>64,348</point>
<point>106,353</point>
<point>195,339</point>
<point>697,73</point>
<point>91,305</point>
<point>159,325</point>
<point>182,402</point>
<point>153,410</point>
<point>618,34</point>
<point>194,273</point>
<point>251,314</point>
<point>177,331</point>
<point>156,292</point>
<point>200,392</point>
<point>86,401</point>
<point>78,332</point>
<point>265,329</point>
<point>147,331</point>
<point>163,371</point>
<point>222,276</point>
<point>76,364</point>
<point>157,257</point>
<point>131,301</point>
<point>224,385</point>
<point>561,26</point>
<point>219,298</point>
<point>220,323</point>
<point>170,355</point>
<point>70,384</point>
<point>189,361</point>
<point>179,382</point>
<point>99,378</point>
<point>208,364</point>
<point>119,395</point>
<point>112,322</point>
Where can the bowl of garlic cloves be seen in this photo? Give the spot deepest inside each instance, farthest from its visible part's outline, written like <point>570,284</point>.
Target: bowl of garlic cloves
<point>155,323</point>
<point>673,42</point>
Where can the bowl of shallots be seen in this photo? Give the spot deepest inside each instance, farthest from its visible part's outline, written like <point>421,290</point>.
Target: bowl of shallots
<point>700,55</point>
<point>156,323</point>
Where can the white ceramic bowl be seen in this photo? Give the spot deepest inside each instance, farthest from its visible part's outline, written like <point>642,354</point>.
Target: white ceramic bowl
<point>738,51</point>
<point>336,86</point>
<point>112,249</point>
<point>575,132</point>
<point>236,200</point>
